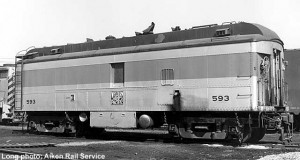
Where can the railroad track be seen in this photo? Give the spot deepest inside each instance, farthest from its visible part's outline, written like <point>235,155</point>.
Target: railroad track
<point>292,145</point>
<point>26,145</point>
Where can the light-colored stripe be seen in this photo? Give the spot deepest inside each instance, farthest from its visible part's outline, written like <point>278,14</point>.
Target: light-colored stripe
<point>183,83</point>
<point>265,47</point>
<point>254,91</point>
<point>196,95</point>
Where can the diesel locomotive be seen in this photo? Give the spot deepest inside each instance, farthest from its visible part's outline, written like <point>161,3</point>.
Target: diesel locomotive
<point>213,81</point>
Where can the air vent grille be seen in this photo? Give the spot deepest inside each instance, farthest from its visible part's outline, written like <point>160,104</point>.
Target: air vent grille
<point>222,32</point>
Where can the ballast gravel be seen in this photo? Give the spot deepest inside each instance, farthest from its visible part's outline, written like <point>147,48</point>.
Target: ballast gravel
<point>283,156</point>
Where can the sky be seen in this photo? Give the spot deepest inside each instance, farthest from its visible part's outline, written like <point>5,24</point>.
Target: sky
<point>40,23</point>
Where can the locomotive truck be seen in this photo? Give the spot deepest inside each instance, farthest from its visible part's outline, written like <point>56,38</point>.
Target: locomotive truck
<point>213,81</point>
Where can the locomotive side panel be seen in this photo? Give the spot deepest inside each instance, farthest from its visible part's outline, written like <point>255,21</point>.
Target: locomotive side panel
<point>38,90</point>
<point>151,83</point>
<point>230,82</point>
<point>63,88</point>
<point>198,73</point>
<point>142,74</point>
<point>216,82</point>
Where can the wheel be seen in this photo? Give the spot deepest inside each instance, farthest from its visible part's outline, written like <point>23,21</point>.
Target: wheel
<point>31,127</point>
<point>80,129</point>
<point>82,125</point>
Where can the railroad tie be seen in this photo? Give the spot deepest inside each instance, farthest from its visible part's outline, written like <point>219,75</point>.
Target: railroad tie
<point>26,145</point>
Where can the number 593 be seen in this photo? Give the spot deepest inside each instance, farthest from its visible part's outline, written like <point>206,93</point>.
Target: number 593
<point>220,98</point>
<point>31,101</point>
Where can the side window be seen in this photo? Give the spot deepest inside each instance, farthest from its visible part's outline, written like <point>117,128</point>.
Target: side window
<point>117,74</point>
<point>3,73</point>
<point>167,77</point>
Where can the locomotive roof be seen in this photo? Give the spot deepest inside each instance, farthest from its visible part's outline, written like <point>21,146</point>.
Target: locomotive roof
<point>196,36</point>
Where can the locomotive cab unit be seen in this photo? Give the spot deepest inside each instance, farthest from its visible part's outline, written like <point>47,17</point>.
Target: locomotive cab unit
<point>214,81</point>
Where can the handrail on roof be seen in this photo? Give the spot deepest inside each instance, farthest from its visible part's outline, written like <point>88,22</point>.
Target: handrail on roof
<point>204,26</point>
<point>24,50</point>
<point>232,22</point>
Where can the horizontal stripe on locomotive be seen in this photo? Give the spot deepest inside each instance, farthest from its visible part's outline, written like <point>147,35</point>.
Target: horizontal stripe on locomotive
<point>155,47</point>
<point>203,67</point>
<point>145,85</point>
<point>261,47</point>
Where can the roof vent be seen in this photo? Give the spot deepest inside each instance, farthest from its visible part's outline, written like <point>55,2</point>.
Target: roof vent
<point>110,37</point>
<point>56,51</point>
<point>177,28</point>
<point>222,32</point>
<point>89,40</point>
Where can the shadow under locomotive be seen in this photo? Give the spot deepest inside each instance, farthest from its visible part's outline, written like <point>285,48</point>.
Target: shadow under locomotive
<point>156,135</point>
